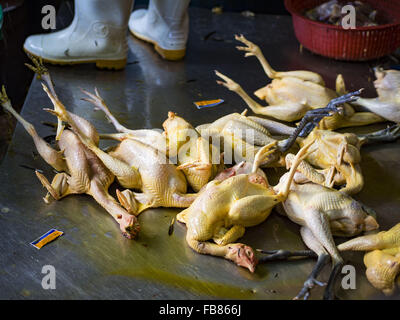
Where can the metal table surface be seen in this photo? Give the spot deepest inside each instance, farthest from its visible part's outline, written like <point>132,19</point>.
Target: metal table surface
<point>92,259</point>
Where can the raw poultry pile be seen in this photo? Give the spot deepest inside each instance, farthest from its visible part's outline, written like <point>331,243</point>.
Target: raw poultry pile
<point>331,12</point>
<point>182,166</point>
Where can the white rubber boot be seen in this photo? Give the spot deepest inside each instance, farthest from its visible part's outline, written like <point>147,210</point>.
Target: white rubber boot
<point>97,34</point>
<point>165,24</point>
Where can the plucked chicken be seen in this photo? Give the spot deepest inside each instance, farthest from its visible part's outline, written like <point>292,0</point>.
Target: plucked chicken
<point>322,212</point>
<point>197,158</point>
<point>387,104</point>
<point>80,170</point>
<point>382,258</point>
<point>137,165</point>
<point>193,156</point>
<point>336,161</point>
<point>291,94</point>
<point>224,208</point>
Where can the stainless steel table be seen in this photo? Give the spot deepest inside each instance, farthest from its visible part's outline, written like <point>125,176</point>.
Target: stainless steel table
<point>92,259</point>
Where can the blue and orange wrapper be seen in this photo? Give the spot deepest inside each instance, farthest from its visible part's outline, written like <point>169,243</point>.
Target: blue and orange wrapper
<point>46,238</point>
<point>208,103</point>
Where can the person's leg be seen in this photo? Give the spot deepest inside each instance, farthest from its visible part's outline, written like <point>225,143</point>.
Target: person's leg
<point>165,24</point>
<point>96,35</point>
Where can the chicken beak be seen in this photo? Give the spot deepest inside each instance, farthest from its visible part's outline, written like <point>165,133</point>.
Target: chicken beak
<point>252,266</point>
<point>370,224</point>
<point>247,259</point>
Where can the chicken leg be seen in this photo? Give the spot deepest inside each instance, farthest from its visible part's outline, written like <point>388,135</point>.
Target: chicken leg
<point>43,74</point>
<point>225,207</point>
<point>317,251</point>
<point>288,111</point>
<point>53,157</point>
<point>313,117</point>
<point>253,50</point>
<point>150,136</point>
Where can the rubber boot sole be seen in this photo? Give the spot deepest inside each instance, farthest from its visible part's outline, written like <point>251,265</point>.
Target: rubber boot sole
<point>171,55</point>
<point>100,63</point>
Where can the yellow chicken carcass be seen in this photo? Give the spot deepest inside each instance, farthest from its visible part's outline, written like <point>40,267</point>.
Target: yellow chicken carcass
<point>240,122</point>
<point>336,158</point>
<point>195,156</point>
<point>382,270</point>
<point>243,136</point>
<point>322,212</point>
<point>338,155</point>
<point>291,94</point>
<point>80,170</point>
<point>240,138</point>
<point>382,258</point>
<point>224,208</point>
<point>161,183</point>
<point>336,161</point>
<point>137,165</point>
<point>387,104</point>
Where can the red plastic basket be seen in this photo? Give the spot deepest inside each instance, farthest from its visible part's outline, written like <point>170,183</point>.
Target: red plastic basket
<point>362,43</point>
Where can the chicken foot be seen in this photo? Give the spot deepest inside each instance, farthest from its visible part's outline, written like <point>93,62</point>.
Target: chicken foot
<point>58,188</point>
<point>289,111</point>
<point>274,255</point>
<point>252,49</point>
<point>389,134</point>
<point>127,176</point>
<point>311,282</point>
<point>43,74</point>
<point>150,136</point>
<point>322,259</point>
<point>313,117</point>
<point>53,157</point>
